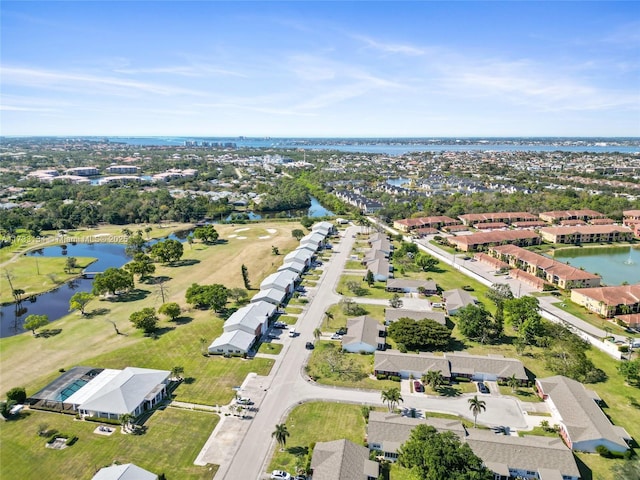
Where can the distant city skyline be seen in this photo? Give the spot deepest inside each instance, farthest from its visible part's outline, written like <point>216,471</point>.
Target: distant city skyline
<point>320,69</point>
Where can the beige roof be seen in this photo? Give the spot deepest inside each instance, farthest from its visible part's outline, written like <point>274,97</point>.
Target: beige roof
<point>411,283</point>
<point>492,217</point>
<point>585,229</point>
<point>581,415</point>
<point>482,238</point>
<point>621,295</point>
<point>560,214</point>
<point>492,364</point>
<point>534,453</point>
<point>393,314</point>
<point>342,460</point>
<point>457,298</point>
<point>363,330</point>
<point>395,361</point>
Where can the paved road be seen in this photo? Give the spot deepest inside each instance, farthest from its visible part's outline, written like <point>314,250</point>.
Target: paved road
<point>245,456</point>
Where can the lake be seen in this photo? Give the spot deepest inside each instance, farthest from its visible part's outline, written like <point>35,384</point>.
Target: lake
<point>614,264</point>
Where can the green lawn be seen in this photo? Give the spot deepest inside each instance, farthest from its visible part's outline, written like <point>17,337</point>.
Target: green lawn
<point>340,318</point>
<point>288,319</point>
<point>354,265</point>
<point>359,368</point>
<point>524,394</point>
<point>271,348</point>
<point>317,422</point>
<point>293,310</point>
<point>170,445</point>
<point>375,291</point>
<point>589,317</point>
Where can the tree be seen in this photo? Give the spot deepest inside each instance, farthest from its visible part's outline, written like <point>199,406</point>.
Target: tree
<point>238,295</point>
<point>126,420</point>
<point>434,456</point>
<point>17,394</point>
<point>425,261</point>
<point>499,292</point>
<point>433,378</point>
<point>176,372</point>
<point>395,301</point>
<point>79,301</point>
<point>33,322</point>
<point>474,322</point>
<point>317,333</point>
<point>135,244</point>
<point>306,222</point>
<point>630,370</point>
<point>476,406</point>
<point>206,233</point>
<point>167,251</point>
<point>275,250</point>
<point>280,434</point>
<point>145,319</point>
<point>112,280</point>
<point>245,277</point>
<point>171,310</point>
<point>5,408</point>
<point>162,289</point>
<point>355,288</point>
<point>518,310</point>
<point>141,265</point>
<point>297,234</point>
<point>391,397</point>
<point>219,296</point>
<point>423,334</point>
<point>513,382</point>
<point>70,264</point>
<point>369,278</point>
<point>208,296</point>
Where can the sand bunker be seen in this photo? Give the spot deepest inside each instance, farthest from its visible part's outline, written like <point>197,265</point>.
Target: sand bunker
<point>242,238</point>
<point>233,235</point>
<point>241,229</point>
<point>272,230</point>
<point>264,237</point>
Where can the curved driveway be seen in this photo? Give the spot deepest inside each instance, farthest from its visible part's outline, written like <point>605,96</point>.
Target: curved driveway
<point>286,386</point>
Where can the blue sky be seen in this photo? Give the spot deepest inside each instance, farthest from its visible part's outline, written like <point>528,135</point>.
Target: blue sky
<point>210,68</point>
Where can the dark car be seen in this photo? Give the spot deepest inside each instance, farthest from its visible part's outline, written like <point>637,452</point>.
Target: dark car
<point>482,387</point>
<point>341,331</point>
<point>309,346</point>
<point>417,386</point>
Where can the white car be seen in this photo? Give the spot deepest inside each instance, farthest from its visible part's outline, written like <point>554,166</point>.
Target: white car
<point>280,475</point>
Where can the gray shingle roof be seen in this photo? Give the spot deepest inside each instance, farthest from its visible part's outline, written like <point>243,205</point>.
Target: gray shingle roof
<point>458,298</point>
<point>342,460</point>
<point>429,285</point>
<point>581,416</point>
<point>493,364</point>
<point>394,361</point>
<point>363,329</point>
<point>393,314</point>
<point>128,471</point>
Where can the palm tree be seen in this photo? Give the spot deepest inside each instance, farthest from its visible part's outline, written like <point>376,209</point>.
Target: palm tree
<point>126,420</point>
<point>280,434</point>
<point>476,406</point>
<point>433,378</point>
<point>391,397</point>
<point>327,316</point>
<point>176,372</point>
<point>316,333</point>
<point>513,382</point>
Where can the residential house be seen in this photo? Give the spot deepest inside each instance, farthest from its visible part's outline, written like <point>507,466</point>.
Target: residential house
<point>252,318</point>
<point>552,271</point>
<point>271,295</point>
<point>408,285</point>
<point>236,342</point>
<point>393,362</point>
<point>456,299</point>
<point>284,280</point>
<point>113,393</point>
<point>503,217</point>
<point>314,239</point>
<point>508,457</point>
<point>325,228</point>
<point>122,170</point>
<point>482,240</point>
<point>609,301</point>
<point>394,314</point>
<point>583,425</point>
<point>127,471</point>
<point>342,460</point>
<point>485,367</point>
<point>631,320</point>
<point>364,334</point>
<point>558,215</point>
<point>301,254</point>
<point>294,265</point>
<point>631,218</point>
<point>586,234</point>
<point>436,222</point>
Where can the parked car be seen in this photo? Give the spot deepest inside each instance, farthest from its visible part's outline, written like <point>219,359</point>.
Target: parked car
<point>292,332</point>
<point>417,386</point>
<point>482,387</point>
<point>309,346</point>
<point>280,475</point>
<point>341,331</point>
<point>300,477</point>
<point>244,401</point>
<point>335,336</point>
<point>279,325</point>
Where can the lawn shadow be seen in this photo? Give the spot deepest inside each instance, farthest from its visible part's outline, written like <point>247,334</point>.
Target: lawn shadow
<point>298,451</point>
<point>585,472</point>
<point>96,312</point>
<point>187,262</point>
<point>189,380</point>
<point>131,296</point>
<point>182,320</point>
<point>158,279</point>
<point>48,332</point>
<point>159,332</point>
<point>448,391</point>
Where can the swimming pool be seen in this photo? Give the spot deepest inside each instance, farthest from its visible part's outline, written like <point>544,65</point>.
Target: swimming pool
<point>70,389</point>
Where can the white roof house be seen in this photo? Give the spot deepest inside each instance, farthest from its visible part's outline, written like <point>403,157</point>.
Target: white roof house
<point>252,318</point>
<point>315,238</point>
<point>324,227</point>
<point>113,393</point>
<point>236,342</point>
<point>128,471</point>
<point>271,295</point>
<point>294,265</point>
<point>300,254</point>
<point>284,280</point>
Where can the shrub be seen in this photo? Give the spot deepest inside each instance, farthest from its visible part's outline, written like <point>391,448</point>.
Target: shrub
<point>71,441</point>
<point>603,451</point>
<point>395,378</point>
<point>17,394</point>
<point>462,379</point>
<point>381,376</point>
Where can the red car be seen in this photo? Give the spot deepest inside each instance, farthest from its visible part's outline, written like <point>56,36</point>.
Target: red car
<point>417,386</point>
